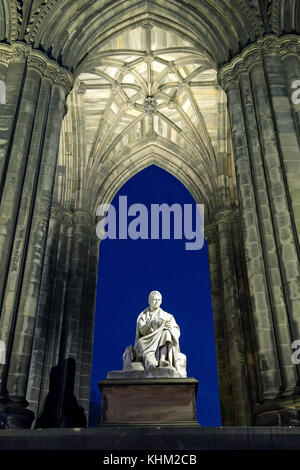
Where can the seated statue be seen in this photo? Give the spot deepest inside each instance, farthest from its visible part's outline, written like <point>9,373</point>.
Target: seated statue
<point>157,335</point>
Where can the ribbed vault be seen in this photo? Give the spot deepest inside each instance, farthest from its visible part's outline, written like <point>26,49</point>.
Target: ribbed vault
<point>146,96</point>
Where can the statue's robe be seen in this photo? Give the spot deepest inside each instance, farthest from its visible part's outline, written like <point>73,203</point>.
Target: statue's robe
<point>148,342</point>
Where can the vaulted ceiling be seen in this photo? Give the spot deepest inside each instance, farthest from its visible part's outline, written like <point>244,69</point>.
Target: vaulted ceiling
<point>147,96</point>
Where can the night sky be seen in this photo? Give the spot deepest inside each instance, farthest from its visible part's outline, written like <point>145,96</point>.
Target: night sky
<point>130,269</point>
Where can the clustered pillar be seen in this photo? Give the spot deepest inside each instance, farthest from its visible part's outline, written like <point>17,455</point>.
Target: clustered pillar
<point>60,372</point>
<point>264,125</point>
<point>30,123</point>
<point>231,308</point>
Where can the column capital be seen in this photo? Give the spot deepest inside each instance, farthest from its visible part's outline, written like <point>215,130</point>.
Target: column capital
<point>5,56</point>
<point>19,53</point>
<point>289,44</point>
<point>269,45</point>
<point>56,213</point>
<point>67,218</point>
<point>62,216</point>
<point>47,68</point>
<point>253,54</point>
<point>50,70</point>
<point>230,72</point>
<point>210,231</point>
<point>228,214</point>
<point>82,217</point>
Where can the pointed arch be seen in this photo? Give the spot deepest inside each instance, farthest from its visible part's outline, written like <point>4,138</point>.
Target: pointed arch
<point>152,155</point>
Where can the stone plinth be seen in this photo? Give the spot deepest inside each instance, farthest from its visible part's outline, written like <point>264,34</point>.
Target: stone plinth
<point>149,402</point>
<point>137,371</point>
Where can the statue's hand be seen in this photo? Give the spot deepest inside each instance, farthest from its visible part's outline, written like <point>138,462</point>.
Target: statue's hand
<point>156,323</point>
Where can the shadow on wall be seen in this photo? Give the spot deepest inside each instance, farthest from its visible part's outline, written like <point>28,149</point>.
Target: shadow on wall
<point>61,408</point>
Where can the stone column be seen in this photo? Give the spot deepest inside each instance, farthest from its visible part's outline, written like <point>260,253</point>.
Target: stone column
<point>88,310</point>
<point>289,48</point>
<point>12,60</point>
<point>50,312</point>
<point>60,371</point>
<point>232,318</point>
<point>266,153</point>
<point>30,165</point>
<point>217,297</point>
<point>70,351</point>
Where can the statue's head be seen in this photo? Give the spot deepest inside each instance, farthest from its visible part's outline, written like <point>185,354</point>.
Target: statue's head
<point>155,299</point>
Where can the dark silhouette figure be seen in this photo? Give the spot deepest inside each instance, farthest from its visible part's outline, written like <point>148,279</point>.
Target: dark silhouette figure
<point>61,408</point>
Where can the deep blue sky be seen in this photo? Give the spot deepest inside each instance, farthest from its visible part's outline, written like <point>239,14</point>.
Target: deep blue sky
<point>130,269</point>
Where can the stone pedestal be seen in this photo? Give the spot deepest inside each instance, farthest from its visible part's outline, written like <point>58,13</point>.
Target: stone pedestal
<point>148,402</point>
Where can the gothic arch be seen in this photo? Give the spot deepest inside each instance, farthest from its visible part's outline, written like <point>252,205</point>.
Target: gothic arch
<point>152,154</point>
<point>222,27</point>
<point>156,101</point>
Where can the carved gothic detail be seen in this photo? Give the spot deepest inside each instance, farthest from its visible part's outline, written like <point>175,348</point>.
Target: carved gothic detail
<point>270,46</point>
<point>228,215</point>
<point>37,63</point>
<point>51,73</point>
<point>150,105</point>
<point>147,25</point>
<point>254,19</point>
<point>210,231</point>
<point>67,219</point>
<point>225,77</point>
<point>56,213</point>
<point>172,67</point>
<point>64,79</point>
<point>5,57</point>
<point>19,54</point>
<point>149,59</point>
<point>239,68</point>
<point>5,123</point>
<point>273,13</point>
<point>16,18</point>
<point>82,217</point>
<point>253,58</point>
<point>81,90</point>
<point>37,19</point>
<point>289,45</point>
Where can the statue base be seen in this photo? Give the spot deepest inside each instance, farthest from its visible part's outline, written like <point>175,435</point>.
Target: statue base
<point>137,371</point>
<point>148,402</point>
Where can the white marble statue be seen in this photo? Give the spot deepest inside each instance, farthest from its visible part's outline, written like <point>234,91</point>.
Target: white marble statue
<point>157,335</point>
